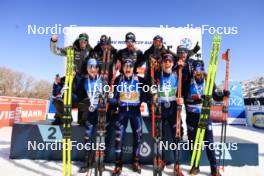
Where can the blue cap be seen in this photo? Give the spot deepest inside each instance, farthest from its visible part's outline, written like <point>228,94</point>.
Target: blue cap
<point>167,56</point>
<point>198,65</point>
<point>127,61</point>
<point>91,61</point>
<point>199,68</point>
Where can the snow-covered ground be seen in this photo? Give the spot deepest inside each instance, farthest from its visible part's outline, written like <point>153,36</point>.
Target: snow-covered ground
<point>50,168</point>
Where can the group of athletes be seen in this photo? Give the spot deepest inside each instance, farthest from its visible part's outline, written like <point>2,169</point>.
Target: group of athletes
<point>124,104</point>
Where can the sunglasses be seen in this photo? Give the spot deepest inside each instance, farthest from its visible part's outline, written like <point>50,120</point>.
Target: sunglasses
<point>167,60</point>
<point>127,65</point>
<point>83,40</point>
<point>181,52</point>
<point>92,66</point>
<point>200,73</point>
<point>130,42</point>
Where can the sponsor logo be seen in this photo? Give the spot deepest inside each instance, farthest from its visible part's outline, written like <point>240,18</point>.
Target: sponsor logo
<point>222,152</point>
<point>186,42</point>
<point>258,120</point>
<point>19,112</point>
<point>145,149</point>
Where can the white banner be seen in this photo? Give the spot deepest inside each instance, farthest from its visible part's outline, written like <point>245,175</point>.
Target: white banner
<point>144,36</point>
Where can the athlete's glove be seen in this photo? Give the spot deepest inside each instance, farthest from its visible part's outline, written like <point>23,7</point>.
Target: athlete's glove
<point>226,93</point>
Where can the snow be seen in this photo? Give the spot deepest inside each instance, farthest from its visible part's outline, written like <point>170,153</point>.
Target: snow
<point>26,167</point>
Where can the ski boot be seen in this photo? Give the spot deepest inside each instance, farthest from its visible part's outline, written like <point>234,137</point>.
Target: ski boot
<point>57,121</point>
<point>88,160</point>
<point>162,164</point>
<point>194,170</point>
<point>84,169</point>
<point>136,167</point>
<point>118,169</point>
<point>178,170</point>
<point>215,171</point>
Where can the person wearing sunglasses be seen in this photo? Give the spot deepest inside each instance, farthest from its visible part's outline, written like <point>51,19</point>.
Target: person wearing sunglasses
<point>168,101</point>
<point>154,55</point>
<point>88,94</point>
<point>186,55</point>
<point>128,95</point>
<point>193,103</point>
<point>82,49</point>
<point>129,52</point>
<point>98,53</point>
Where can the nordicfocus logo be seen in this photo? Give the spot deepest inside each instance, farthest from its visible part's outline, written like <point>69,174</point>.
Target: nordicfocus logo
<point>186,42</point>
<point>145,149</point>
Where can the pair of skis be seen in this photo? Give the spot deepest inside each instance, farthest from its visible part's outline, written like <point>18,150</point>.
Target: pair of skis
<point>205,114</point>
<point>102,109</point>
<point>67,118</point>
<point>158,163</point>
<point>98,164</point>
<point>156,121</point>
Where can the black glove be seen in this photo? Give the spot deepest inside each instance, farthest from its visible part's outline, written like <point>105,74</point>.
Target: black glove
<point>226,93</point>
<point>203,97</point>
<point>196,48</point>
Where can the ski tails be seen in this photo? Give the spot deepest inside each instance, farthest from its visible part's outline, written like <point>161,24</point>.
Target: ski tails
<point>206,103</point>
<point>67,118</point>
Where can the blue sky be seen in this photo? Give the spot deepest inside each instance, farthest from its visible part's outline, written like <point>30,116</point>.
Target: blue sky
<point>30,53</point>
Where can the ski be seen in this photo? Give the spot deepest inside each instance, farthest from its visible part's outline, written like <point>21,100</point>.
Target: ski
<point>178,121</point>
<point>117,68</point>
<point>206,102</point>
<point>67,117</point>
<point>156,123</point>
<point>225,57</point>
<point>102,109</point>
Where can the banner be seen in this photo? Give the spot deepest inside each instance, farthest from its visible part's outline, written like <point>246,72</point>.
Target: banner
<point>144,36</point>
<point>236,106</point>
<point>43,141</point>
<point>13,110</point>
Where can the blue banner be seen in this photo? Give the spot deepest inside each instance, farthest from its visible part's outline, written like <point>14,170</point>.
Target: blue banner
<point>236,108</point>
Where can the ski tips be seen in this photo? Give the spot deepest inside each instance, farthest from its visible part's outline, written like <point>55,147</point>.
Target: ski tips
<point>217,38</point>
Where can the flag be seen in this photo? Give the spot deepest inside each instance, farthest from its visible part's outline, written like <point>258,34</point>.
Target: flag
<point>225,55</point>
